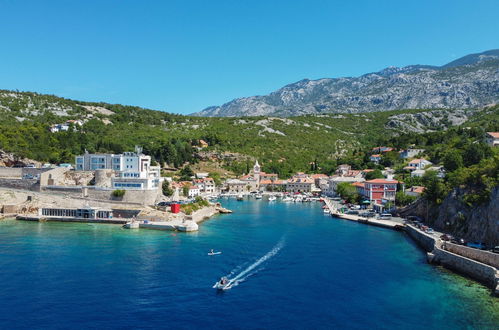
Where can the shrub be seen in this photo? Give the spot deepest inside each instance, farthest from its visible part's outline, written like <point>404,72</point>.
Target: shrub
<point>119,193</point>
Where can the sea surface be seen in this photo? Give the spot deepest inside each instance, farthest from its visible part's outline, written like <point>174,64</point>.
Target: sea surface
<point>294,268</point>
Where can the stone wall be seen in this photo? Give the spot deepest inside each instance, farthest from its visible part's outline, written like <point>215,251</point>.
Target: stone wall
<point>474,269</point>
<point>11,172</point>
<point>427,242</point>
<point>20,184</point>
<point>53,176</point>
<point>144,197</point>
<point>463,265</point>
<point>485,257</point>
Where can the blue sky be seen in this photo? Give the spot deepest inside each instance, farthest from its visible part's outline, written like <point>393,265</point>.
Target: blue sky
<point>182,56</point>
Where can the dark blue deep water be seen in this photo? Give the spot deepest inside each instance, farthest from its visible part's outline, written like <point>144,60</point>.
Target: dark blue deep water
<point>318,273</point>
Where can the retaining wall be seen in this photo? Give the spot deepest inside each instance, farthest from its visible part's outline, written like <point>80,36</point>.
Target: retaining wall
<point>474,269</point>
<point>479,271</point>
<point>11,172</point>
<point>31,184</point>
<point>485,257</point>
<point>427,242</point>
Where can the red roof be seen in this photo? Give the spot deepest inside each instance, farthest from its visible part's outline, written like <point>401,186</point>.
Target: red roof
<point>382,181</point>
<point>266,182</point>
<point>376,156</point>
<point>417,189</point>
<point>495,135</point>
<point>318,176</point>
<point>358,184</point>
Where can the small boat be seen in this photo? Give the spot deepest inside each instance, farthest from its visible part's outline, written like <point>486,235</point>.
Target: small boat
<point>287,199</point>
<point>214,253</point>
<point>326,211</point>
<point>272,198</point>
<point>239,197</point>
<point>223,284</point>
<point>258,196</point>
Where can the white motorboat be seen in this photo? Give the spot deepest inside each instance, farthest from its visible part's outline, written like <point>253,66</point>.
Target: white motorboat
<point>223,284</point>
<point>258,196</point>
<point>326,211</point>
<point>272,198</point>
<point>239,197</point>
<point>214,253</point>
<point>287,199</point>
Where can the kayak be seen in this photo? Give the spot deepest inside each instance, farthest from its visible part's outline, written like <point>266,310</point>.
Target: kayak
<point>214,253</point>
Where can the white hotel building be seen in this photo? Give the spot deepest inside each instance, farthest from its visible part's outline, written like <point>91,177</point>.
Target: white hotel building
<point>133,170</point>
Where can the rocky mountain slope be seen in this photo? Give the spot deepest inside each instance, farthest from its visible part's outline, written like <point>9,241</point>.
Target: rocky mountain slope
<point>469,82</point>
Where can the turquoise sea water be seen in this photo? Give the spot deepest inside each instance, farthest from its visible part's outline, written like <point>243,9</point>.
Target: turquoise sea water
<point>298,269</point>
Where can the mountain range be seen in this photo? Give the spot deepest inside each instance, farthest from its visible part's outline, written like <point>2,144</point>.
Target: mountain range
<point>469,82</point>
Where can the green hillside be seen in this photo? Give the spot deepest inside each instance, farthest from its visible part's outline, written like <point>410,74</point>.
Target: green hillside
<point>283,145</point>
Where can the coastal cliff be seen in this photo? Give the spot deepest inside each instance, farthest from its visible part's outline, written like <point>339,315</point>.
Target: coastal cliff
<point>479,223</point>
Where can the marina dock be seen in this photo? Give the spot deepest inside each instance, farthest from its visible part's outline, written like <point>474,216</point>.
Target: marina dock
<point>352,217</point>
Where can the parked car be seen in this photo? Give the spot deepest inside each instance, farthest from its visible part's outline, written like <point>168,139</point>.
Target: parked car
<point>430,230</point>
<point>446,237</point>
<point>459,241</point>
<point>352,212</point>
<point>385,216</point>
<point>476,245</point>
<point>164,203</point>
<point>495,249</point>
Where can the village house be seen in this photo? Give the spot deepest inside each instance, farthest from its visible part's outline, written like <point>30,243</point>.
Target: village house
<point>272,185</point>
<point>65,127</point>
<point>414,191</point>
<point>410,153</point>
<point>206,185</point>
<point>344,173</point>
<point>194,191</point>
<point>492,139</point>
<point>235,186</point>
<point>300,184</point>
<point>418,164</point>
<point>375,158</point>
<point>382,149</point>
<point>418,173</point>
<point>268,176</point>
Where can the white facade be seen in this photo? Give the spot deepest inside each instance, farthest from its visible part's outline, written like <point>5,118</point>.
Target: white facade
<point>194,191</point>
<point>419,164</point>
<point>133,169</point>
<point>493,139</point>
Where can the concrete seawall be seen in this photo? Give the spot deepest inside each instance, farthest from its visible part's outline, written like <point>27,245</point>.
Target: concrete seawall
<point>477,270</point>
<point>485,257</point>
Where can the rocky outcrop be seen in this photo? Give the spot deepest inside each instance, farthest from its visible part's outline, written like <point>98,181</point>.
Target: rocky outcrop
<point>466,84</point>
<point>476,224</point>
<point>8,160</point>
<point>428,121</point>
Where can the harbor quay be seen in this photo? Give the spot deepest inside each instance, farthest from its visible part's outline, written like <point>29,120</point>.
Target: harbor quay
<point>479,265</point>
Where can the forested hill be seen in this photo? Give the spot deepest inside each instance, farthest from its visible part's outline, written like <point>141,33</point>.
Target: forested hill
<point>468,82</point>
<point>283,145</point>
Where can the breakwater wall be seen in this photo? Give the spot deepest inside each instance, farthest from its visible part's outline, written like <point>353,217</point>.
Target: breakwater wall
<point>485,257</point>
<point>437,254</point>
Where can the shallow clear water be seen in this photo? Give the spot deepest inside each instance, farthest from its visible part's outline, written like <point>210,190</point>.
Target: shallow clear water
<point>324,273</point>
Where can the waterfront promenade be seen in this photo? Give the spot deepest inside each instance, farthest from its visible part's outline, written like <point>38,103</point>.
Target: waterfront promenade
<point>396,223</point>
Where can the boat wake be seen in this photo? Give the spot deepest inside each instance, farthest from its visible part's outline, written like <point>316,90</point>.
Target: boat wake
<point>251,269</point>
